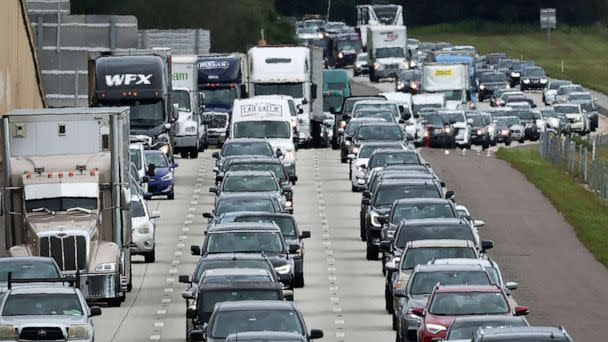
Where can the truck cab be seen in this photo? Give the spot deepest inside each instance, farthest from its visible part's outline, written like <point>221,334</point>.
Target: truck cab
<point>451,80</point>
<point>386,50</point>
<point>377,14</point>
<point>188,129</point>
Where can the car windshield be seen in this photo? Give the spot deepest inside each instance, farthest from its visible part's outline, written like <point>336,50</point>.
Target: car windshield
<point>505,63</point>
<point>548,113</point>
<point>477,120</point>
<point>588,106</point>
<point>228,322</point>
<point>456,117</point>
<point>433,232</point>
<point>249,204</point>
<point>497,77</point>
<point>525,115</point>
<point>157,158</point>
<point>209,298</point>
<point>182,98</point>
<point>391,158</point>
<point>513,121</point>
<point>372,132</point>
<point>565,90</point>
<point>556,84</point>
<point>60,204</point>
<point>580,97</point>
<point>236,278</point>
<point>468,303</point>
<point>421,256</point>
<point>295,90</point>
<point>413,211</point>
<point>566,109</point>
<point>249,184</point>
<point>362,57</point>
<point>389,52</point>
<point>219,97</point>
<point>245,241</point>
<point>410,75</point>
<point>287,224</point>
<point>534,73</point>
<point>25,269</point>
<point>247,149</point>
<point>42,304</point>
<point>384,115</point>
<point>367,150</point>
<point>262,129</point>
<point>453,95</point>
<point>424,282</point>
<point>432,119</point>
<point>352,45</point>
<point>136,157</point>
<point>376,107</point>
<point>467,330</point>
<point>275,168</point>
<point>332,101</point>
<point>236,263</point>
<point>137,209</point>
<point>146,114</point>
<point>386,195</point>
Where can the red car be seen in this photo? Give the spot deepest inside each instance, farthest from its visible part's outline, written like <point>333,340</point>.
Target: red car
<point>446,303</point>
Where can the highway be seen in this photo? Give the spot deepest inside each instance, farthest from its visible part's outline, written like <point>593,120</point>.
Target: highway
<point>344,292</point>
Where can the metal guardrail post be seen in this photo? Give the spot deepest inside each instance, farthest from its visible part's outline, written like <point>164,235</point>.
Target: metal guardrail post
<point>585,167</point>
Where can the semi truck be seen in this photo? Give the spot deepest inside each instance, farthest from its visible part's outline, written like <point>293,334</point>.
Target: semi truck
<point>66,194</point>
<point>375,14</point>
<point>141,80</point>
<point>386,51</point>
<point>296,71</point>
<point>188,129</point>
<point>452,80</point>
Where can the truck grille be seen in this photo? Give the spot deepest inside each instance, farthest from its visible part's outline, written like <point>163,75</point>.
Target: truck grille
<point>41,334</point>
<point>70,251</point>
<point>216,120</point>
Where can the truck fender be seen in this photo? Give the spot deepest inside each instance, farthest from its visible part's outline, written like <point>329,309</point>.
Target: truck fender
<point>104,252</point>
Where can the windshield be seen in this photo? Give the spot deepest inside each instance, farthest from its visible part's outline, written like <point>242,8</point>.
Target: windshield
<point>262,129</point>
<point>246,241</point>
<point>349,45</point>
<point>565,90</point>
<point>249,184</point>
<point>287,224</point>
<point>467,330</point>
<point>415,211</point>
<point>42,304</point>
<point>477,120</point>
<point>157,158</point>
<point>22,269</point>
<point>386,158</point>
<point>147,113</point>
<point>534,73</point>
<point>566,109</point>
<point>295,90</point>
<point>421,256</point>
<point>137,209</point>
<point>379,133</point>
<point>234,205</point>
<point>432,120</point>
<point>556,84</point>
<point>236,278</point>
<point>136,158</point>
<point>468,303</point>
<point>228,322</point>
<point>525,115</point>
<point>453,95</point>
<point>60,203</point>
<point>410,75</point>
<point>334,101</point>
<point>513,121</point>
<point>249,148</point>
<point>434,232</point>
<point>548,113</point>
<point>389,52</point>
<point>384,115</point>
<point>588,106</point>
<point>580,97</point>
<point>219,97</point>
<point>498,77</point>
<point>386,14</point>
<point>424,282</point>
<point>182,98</point>
<point>336,86</point>
<point>376,107</point>
<point>275,168</point>
<point>456,117</point>
<point>388,194</point>
<point>366,150</point>
<point>236,263</point>
<point>211,297</point>
<point>505,63</point>
<point>362,57</point>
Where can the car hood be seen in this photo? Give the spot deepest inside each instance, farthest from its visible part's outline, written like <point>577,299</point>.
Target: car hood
<point>361,161</point>
<point>392,60</point>
<point>442,320</point>
<point>43,321</point>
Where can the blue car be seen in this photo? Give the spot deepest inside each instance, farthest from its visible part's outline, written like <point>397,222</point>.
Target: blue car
<point>161,181</point>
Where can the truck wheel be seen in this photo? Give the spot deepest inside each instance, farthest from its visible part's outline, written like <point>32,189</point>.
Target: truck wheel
<point>194,154</point>
<point>394,319</point>
<point>522,140</point>
<point>371,252</point>
<point>115,302</point>
<point>150,257</point>
<point>298,280</point>
<point>183,154</point>
<point>130,285</point>
<point>388,301</point>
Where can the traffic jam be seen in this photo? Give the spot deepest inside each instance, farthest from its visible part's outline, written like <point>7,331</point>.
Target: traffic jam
<point>80,206</point>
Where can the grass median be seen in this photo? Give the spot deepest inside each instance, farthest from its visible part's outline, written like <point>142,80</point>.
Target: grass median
<point>582,49</point>
<point>583,210</point>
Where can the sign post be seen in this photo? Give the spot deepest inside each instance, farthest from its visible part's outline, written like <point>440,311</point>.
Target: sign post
<point>548,20</point>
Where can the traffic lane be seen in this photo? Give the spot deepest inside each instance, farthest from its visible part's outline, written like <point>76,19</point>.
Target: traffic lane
<point>154,310</point>
<point>559,279</point>
<point>344,293</point>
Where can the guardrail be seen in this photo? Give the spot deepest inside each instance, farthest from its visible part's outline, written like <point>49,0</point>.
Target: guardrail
<point>579,159</point>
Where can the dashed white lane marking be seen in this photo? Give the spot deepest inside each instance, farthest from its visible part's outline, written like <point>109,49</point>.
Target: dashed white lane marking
<point>161,312</point>
<point>155,337</point>
<point>159,324</point>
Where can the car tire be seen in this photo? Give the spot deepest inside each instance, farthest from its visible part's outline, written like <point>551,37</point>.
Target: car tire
<point>508,143</point>
<point>194,154</point>
<point>371,252</point>
<point>388,301</point>
<point>171,196</point>
<point>298,280</point>
<point>522,140</point>
<point>114,302</point>
<point>150,257</point>
<point>183,154</point>
<point>394,319</point>
<point>354,188</point>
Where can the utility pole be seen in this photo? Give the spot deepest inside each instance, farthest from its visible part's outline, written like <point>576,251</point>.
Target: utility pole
<point>328,9</point>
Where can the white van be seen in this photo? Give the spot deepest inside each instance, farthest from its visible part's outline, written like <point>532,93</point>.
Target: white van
<point>270,118</point>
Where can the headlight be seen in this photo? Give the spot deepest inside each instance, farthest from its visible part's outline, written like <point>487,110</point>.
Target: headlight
<point>360,168</point>
<point>190,129</point>
<point>290,155</point>
<point>79,331</point>
<point>578,119</point>
<point>405,65</point>
<point>400,283</point>
<point>543,80</point>
<point>374,219</point>
<point>8,332</point>
<point>413,64</point>
<point>340,55</point>
<point>293,124</point>
<point>355,150</point>
<point>411,315</point>
<point>288,204</point>
<point>481,131</point>
<point>168,176</point>
<point>447,130</point>
<point>347,143</point>
<point>283,269</point>
<point>504,132</point>
<point>400,85</point>
<point>482,87</point>
<point>342,124</point>
<point>515,74</point>
<point>164,149</point>
<point>106,267</point>
<point>435,328</point>
<point>378,66</point>
<point>413,85</point>
<point>526,81</point>
<point>144,229</point>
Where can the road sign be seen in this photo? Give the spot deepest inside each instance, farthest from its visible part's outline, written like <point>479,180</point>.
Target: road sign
<point>548,18</point>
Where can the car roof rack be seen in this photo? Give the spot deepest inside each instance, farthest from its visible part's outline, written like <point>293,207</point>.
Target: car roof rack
<point>72,281</point>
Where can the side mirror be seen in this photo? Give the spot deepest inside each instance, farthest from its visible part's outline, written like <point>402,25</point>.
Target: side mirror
<point>293,249</point>
<point>399,293</point>
<point>313,91</point>
<point>145,179</point>
<point>511,285</point>
<point>418,312</point>
<point>174,165</point>
<point>95,311</point>
<point>521,310</point>
<point>190,312</point>
<point>212,189</point>
<point>334,110</point>
<point>385,246</point>
<point>215,155</point>
<point>478,223</point>
<point>296,139</point>
<point>401,109</point>
<point>300,110</point>
<point>390,266</point>
<point>304,101</point>
<point>486,244</point>
<point>450,194</point>
<point>442,183</point>
<point>288,295</point>
<point>196,335</point>
<point>315,334</point>
<point>175,112</point>
<point>305,234</point>
<point>293,179</point>
<point>367,194</point>
<point>366,201</point>
<point>207,215</point>
<point>406,116</point>
<point>382,219</point>
<point>219,178</point>
<point>279,153</point>
<point>184,279</point>
<point>216,169</point>
<point>401,121</point>
<point>195,250</point>
<point>155,214</point>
